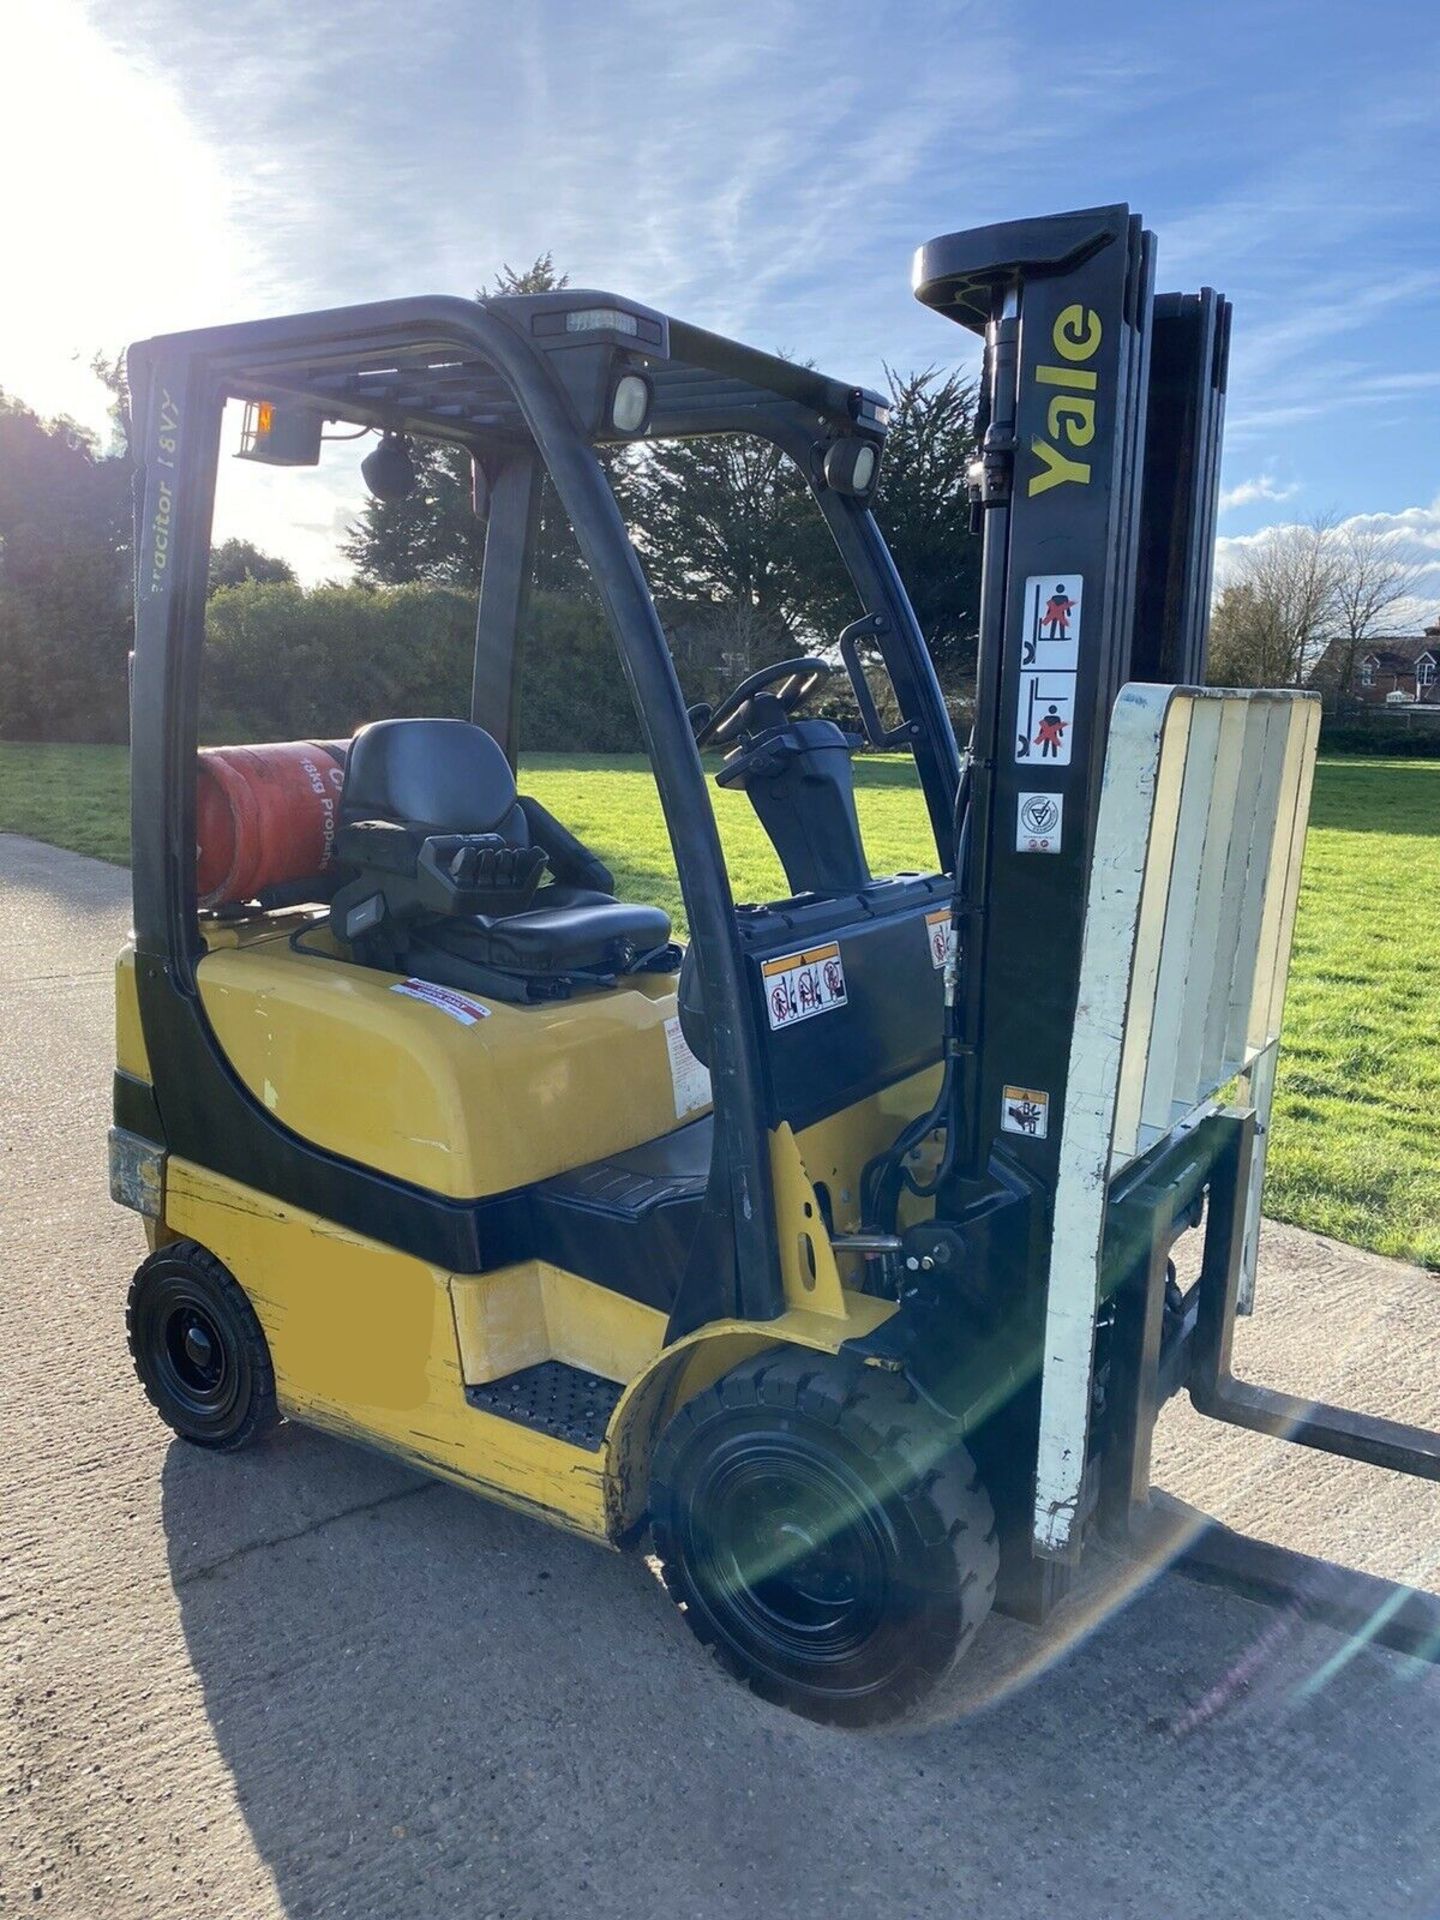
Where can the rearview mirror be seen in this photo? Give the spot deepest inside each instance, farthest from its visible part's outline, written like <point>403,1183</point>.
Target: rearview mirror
<point>388,471</point>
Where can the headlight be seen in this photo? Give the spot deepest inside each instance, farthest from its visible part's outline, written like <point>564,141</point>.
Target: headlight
<point>852,466</point>
<point>630,403</point>
<point>597,319</point>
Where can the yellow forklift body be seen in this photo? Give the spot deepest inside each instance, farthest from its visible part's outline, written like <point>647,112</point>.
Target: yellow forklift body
<point>348,1058</point>
<point>131,1054</point>
<point>613,1308</point>
<point>351,1080</point>
<point>374,1345</point>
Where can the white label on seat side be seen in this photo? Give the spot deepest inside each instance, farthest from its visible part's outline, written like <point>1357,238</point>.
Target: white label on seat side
<point>689,1078</point>
<point>459,1006</point>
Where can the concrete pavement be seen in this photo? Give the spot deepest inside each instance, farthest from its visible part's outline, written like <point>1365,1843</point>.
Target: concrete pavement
<point>305,1682</point>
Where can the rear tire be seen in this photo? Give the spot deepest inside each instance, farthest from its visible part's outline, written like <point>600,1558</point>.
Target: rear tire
<point>199,1351</point>
<point>827,1537</point>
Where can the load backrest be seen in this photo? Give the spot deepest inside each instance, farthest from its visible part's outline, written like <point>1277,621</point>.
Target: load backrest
<point>1191,906</point>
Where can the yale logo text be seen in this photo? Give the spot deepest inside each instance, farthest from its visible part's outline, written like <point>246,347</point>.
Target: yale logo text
<point>1070,415</point>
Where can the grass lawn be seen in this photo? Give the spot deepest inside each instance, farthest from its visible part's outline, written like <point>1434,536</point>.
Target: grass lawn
<point>1354,1148</point>
<point>77,797</point>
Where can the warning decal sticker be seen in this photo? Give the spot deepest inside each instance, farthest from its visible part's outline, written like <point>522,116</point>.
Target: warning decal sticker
<point>459,1006</point>
<point>1025,1110</point>
<point>1052,622</point>
<point>689,1077</point>
<point>937,929</point>
<point>799,985</point>
<point>1039,822</point>
<point>1049,660</point>
<point>1045,718</point>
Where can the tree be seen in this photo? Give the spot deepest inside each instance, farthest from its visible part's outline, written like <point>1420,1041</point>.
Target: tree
<point>1248,645</point>
<point>539,277</point>
<point>729,523</point>
<point>923,510</point>
<point>285,661</point>
<point>65,621</point>
<point>236,560</point>
<point>435,537</point>
<point>1373,576</point>
<point>112,376</point>
<point>1298,595</point>
<point>1274,616</point>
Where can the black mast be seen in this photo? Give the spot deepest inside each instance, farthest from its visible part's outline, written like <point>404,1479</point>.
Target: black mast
<point>1095,484</point>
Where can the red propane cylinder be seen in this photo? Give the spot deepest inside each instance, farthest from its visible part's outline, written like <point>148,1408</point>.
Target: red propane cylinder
<point>265,815</point>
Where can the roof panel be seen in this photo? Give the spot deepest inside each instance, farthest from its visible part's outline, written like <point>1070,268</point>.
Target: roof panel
<point>421,364</point>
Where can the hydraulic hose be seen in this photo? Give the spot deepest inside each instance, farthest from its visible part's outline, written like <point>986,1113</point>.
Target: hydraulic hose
<point>887,1175</point>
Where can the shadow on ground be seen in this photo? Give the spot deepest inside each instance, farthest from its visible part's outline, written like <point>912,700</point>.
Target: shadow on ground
<point>431,1706</point>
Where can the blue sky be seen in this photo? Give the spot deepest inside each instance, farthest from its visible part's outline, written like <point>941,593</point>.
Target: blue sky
<point>764,167</point>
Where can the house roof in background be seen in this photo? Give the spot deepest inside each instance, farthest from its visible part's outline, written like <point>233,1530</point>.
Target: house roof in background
<point>1395,653</point>
<point>1398,652</point>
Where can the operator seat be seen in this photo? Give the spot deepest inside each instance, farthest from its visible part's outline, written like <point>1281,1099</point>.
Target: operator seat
<point>415,786</point>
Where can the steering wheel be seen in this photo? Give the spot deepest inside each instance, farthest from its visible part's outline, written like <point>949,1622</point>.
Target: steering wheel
<point>791,682</point>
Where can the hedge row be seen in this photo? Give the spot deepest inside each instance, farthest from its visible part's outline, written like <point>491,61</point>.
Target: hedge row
<point>1383,741</point>
<point>284,663</point>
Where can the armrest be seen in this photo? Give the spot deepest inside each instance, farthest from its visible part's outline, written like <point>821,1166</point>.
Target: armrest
<point>571,861</point>
<point>406,875</point>
<point>460,874</point>
<point>384,846</point>
<point>454,873</point>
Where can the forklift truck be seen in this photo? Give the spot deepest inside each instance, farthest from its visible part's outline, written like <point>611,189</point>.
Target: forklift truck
<point>831,1250</point>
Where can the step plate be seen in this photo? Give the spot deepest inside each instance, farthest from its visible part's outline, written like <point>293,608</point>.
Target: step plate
<point>565,1402</point>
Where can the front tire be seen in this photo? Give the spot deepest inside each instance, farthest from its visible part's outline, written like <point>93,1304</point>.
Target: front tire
<point>827,1537</point>
<point>199,1351</point>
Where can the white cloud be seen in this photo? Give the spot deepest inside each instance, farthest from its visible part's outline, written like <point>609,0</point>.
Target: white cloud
<point>1414,534</point>
<point>119,215</point>
<point>213,163</point>
<point>1263,486</point>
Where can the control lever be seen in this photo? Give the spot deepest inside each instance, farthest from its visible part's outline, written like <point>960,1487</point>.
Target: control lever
<point>470,873</point>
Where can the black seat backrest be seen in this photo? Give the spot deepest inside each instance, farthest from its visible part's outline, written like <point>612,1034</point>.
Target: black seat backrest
<point>443,775</point>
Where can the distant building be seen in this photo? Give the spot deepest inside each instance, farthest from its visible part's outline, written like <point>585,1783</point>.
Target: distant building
<point>1393,669</point>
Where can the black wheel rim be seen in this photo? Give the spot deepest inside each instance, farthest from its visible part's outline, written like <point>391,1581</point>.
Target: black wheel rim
<point>192,1358</point>
<point>195,1356</point>
<point>794,1557</point>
